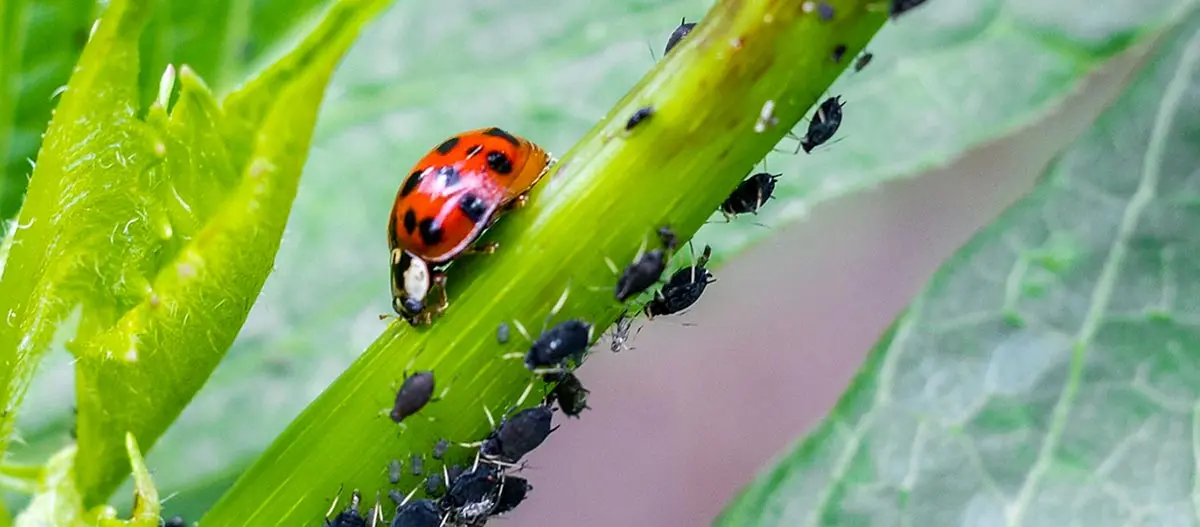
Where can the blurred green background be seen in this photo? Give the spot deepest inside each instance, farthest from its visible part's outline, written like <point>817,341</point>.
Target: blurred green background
<point>968,99</point>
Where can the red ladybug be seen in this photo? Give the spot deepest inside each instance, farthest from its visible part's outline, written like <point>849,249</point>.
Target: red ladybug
<point>452,195</point>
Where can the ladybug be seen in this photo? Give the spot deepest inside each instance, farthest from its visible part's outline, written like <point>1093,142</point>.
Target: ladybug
<point>453,194</point>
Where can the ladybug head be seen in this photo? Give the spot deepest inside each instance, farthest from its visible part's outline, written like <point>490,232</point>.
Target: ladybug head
<point>411,281</point>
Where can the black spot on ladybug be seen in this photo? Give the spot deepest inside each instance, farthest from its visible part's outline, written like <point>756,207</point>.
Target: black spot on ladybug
<point>474,150</point>
<point>472,207</point>
<point>824,124</point>
<point>863,60</point>
<point>496,132</point>
<point>678,34</point>
<point>430,234</point>
<point>903,6</point>
<point>825,11</point>
<point>640,115</point>
<point>518,435</point>
<point>448,146</point>
<point>499,162</point>
<point>410,221</point>
<point>448,176</point>
<point>413,395</point>
<point>839,51</point>
<point>411,183</point>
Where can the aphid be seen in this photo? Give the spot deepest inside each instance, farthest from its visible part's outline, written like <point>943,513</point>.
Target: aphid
<point>862,61</point>
<point>749,195</point>
<point>419,513</point>
<point>683,288</point>
<point>394,469</point>
<point>640,115</point>
<point>568,392</point>
<point>512,492</point>
<point>677,35</point>
<point>413,395</point>
<point>502,333</point>
<point>349,517</point>
<point>839,51</point>
<point>568,340</point>
<point>433,485</point>
<point>417,464</point>
<point>396,497</point>
<point>620,333</point>
<point>175,521</point>
<point>473,495</point>
<point>518,435</point>
<point>646,270</point>
<point>766,117</point>
<point>439,449</point>
<point>825,11</point>
<point>824,124</point>
<point>453,472</point>
<point>903,6</point>
<point>453,194</point>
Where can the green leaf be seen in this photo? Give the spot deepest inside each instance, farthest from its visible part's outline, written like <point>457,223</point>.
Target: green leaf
<point>163,230</point>
<point>552,247</point>
<point>1048,374</point>
<point>58,502</point>
<point>39,43</point>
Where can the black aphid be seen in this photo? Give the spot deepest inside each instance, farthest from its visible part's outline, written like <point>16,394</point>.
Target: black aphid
<point>413,395</point>
<point>684,28</point>
<point>567,340</point>
<point>825,11</point>
<point>417,464</point>
<point>512,493</point>
<point>394,471</point>
<point>502,332</point>
<point>518,435</point>
<point>175,521</point>
<point>683,289</point>
<point>750,195</point>
<point>824,124</point>
<point>433,485</point>
<point>646,270</point>
<point>440,448</point>
<point>419,513</point>
<point>862,61</point>
<point>452,473</point>
<point>839,51</point>
<point>396,496</point>
<point>473,495</point>
<point>350,517</point>
<point>640,115</point>
<point>900,7</point>
<point>568,392</point>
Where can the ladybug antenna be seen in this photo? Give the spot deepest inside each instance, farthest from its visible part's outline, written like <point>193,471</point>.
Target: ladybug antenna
<point>651,50</point>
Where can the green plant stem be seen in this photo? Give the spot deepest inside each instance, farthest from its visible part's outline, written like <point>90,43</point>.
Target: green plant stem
<point>605,198</point>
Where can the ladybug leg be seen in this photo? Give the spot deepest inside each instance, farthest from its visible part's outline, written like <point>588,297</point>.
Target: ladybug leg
<point>483,248</point>
<point>439,281</point>
<point>518,202</point>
